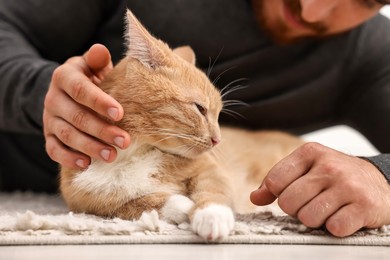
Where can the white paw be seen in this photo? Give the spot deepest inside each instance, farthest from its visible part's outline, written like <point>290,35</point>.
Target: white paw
<point>150,221</point>
<point>176,209</point>
<point>213,222</point>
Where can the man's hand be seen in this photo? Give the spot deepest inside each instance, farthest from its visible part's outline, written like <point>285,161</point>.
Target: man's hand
<point>73,125</point>
<point>320,186</point>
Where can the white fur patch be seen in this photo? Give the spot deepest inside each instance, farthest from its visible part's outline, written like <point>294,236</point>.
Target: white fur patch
<point>129,176</point>
<point>176,209</point>
<point>213,222</point>
<point>150,221</point>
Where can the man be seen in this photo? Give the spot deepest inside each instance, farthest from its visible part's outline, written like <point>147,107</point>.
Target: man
<point>310,64</point>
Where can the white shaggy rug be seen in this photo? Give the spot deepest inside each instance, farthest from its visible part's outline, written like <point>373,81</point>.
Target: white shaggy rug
<point>39,219</point>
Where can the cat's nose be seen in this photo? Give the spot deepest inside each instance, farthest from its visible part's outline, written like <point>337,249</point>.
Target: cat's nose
<point>215,140</point>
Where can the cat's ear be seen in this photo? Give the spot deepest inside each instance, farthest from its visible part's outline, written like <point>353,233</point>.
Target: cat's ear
<point>187,53</point>
<point>141,44</point>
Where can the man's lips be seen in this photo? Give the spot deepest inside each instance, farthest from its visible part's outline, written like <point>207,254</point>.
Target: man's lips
<point>292,19</point>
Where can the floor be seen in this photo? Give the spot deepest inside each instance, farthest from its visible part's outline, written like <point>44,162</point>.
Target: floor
<point>195,252</point>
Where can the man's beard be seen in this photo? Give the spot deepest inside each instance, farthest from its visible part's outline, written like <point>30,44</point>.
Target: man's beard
<point>278,30</point>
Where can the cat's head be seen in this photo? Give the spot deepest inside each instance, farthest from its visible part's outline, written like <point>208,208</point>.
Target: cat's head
<point>168,102</point>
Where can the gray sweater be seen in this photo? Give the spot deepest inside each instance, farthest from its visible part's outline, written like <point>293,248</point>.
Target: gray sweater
<point>300,87</point>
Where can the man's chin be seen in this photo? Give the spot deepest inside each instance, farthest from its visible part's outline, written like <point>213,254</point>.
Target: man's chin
<point>281,38</point>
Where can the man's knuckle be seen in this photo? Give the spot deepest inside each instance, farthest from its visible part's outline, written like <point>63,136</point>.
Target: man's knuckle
<point>331,169</point>
<point>58,74</point>
<point>93,100</point>
<point>273,186</point>
<point>65,134</point>
<point>335,229</point>
<point>80,119</point>
<point>50,100</point>
<point>310,148</point>
<point>102,132</point>
<point>78,91</point>
<point>285,205</point>
<point>306,219</point>
<point>49,147</point>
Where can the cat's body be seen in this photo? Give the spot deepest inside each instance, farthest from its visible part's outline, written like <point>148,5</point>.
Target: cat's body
<point>171,112</point>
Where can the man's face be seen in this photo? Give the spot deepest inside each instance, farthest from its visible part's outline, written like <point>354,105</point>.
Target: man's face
<point>291,20</point>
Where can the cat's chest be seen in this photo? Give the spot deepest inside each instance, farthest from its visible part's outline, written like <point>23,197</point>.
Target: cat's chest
<point>131,175</point>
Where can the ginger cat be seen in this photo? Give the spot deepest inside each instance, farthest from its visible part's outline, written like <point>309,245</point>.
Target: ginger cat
<point>171,112</point>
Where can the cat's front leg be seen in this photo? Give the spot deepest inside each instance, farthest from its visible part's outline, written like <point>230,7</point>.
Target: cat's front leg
<point>177,209</point>
<point>214,222</point>
<point>212,217</point>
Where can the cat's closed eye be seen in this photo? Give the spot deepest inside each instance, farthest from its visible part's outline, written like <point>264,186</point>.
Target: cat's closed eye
<point>201,109</point>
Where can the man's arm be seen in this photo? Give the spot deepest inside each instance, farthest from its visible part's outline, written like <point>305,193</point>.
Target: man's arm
<point>365,102</point>
<point>24,79</point>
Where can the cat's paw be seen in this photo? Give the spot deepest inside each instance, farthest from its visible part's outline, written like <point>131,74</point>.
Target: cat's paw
<point>214,222</point>
<point>150,221</point>
<point>176,209</point>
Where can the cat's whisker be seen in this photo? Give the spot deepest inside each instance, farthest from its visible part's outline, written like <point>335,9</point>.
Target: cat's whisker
<point>187,149</point>
<point>163,139</point>
<point>180,147</point>
<point>180,135</point>
<point>233,82</point>
<point>217,153</point>
<point>228,89</point>
<point>220,75</point>
<point>168,132</point>
<point>211,65</point>
<point>233,89</point>
<point>228,103</point>
<point>194,139</point>
<point>232,113</point>
<point>167,138</point>
<point>183,136</point>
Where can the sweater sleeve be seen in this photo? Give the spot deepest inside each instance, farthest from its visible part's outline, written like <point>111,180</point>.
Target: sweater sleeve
<point>366,105</point>
<point>382,162</point>
<point>24,80</point>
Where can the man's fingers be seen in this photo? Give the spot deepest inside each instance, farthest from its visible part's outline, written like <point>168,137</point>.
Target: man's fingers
<point>282,175</point>
<point>88,122</point>
<point>315,213</point>
<point>291,168</point>
<point>83,91</point>
<point>81,142</point>
<point>68,158</point>
<point>346,221</point>
<point>262,196</point>
<point>300,192</point>
<point>98,59</point>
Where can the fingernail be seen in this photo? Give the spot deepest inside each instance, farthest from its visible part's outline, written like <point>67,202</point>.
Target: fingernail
<point>105,153</point>
<point>113,112</point>
<point>80,163</point>
<point>261,185</point>
<point>255,191</point>
<point>119,141</point>
<point>258,190</point>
